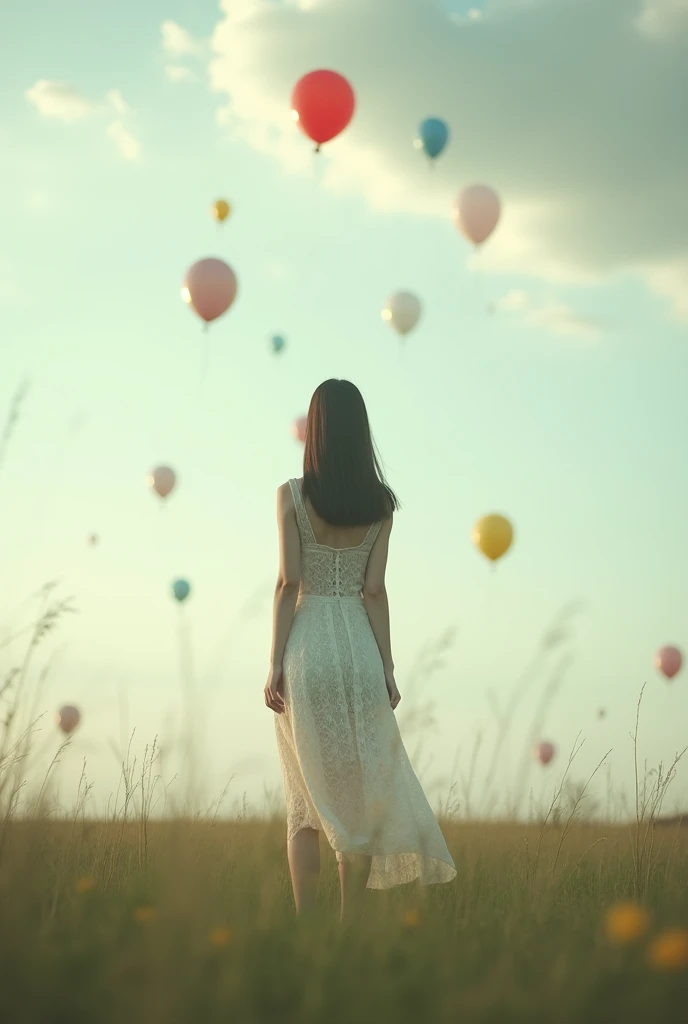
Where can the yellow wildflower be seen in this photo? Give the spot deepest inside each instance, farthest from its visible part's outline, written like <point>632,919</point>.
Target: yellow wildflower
<point>145,914</point>
<point>220,937</point>
<point>669,951</point>
<point>625,922</point>
<point>85,884</point>
<point>410,919</point>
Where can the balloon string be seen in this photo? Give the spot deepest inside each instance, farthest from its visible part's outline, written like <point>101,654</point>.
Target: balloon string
<point>189,701</point>
<point>478,278</point>
<point>205,362</point>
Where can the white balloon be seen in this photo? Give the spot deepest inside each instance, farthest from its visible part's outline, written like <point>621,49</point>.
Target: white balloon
<point>476,212</point>
<point>402,312</point>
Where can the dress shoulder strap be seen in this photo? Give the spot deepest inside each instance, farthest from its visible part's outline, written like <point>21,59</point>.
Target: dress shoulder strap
<point>305,528</point>
<point>372,535</point>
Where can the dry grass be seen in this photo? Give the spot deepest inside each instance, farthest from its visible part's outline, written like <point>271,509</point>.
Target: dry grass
<point>203,929</point>
<point>190,918</point>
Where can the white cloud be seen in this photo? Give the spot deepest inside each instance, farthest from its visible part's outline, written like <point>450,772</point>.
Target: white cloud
<point>588,151</point>
<point>128,145</point>
<point>514,301</point>
<point>662,17</point>
<point>178,41</point>
<point>553,316</point>
<point>115,99</point>
<point>59,101</point>
<point>178,46</point>
<point>178,73</point>
<point>472,14</point>
<point>671,280</point>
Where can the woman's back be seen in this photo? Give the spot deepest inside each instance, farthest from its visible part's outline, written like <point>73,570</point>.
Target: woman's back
<point>331,569</point>
<point>330,536</point>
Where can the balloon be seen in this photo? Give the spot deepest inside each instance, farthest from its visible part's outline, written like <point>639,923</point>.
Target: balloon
<point>162,480</point>
<point>298,429</point>
<point>493,536</point>
<point>210,288</point>
<point>278,343</point>
<point>476,212</point>
<point>433,135</point>
<point>543,752</point>
<point>322,104</point>
<point>402,312</point>
<point>67,718</point>
<point>181,590</point>
<point>221,210</point>
<point>668,661</point>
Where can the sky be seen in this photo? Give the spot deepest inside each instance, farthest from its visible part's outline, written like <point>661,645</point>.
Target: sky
<point>546,379</point>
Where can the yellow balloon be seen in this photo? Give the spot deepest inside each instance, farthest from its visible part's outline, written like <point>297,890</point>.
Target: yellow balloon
<point>221,210</point>
<point>493,536</point>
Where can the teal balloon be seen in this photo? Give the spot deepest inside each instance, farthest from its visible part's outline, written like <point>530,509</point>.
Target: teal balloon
<point>181,590</point>
<point>433,136</point>
<point>278,343</point>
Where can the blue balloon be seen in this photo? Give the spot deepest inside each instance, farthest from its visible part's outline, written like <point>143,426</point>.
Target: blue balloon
<point>278,343</point>
<point>181,590</point>
<point>433,136</point>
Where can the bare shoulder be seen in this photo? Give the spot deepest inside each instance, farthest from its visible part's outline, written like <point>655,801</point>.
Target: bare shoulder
<point>285,499</point>
<point>386,526</point>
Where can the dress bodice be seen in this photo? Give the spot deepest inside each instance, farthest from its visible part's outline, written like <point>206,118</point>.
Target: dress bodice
<point>326,571</point>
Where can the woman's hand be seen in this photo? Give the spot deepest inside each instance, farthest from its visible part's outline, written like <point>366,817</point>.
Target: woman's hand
<point>394,695</point>
<point>274,690</point>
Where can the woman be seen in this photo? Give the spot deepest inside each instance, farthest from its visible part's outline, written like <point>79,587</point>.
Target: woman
<point>331,680</point>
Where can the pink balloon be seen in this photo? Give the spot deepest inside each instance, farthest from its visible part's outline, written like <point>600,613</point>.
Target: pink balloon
<point>543,752</point>
<point>210,288</point>
<point>476,212</point>
<point>68,717</point>
<point>668,660</point>
<point>298,428</point>
<point>162,480</point>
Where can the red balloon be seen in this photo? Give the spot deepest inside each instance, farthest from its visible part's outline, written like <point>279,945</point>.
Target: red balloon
<point>299,427</point>
<point>668,661</point>
<point>322,104</point>
<point>543,752</point>
<point>68,717</point>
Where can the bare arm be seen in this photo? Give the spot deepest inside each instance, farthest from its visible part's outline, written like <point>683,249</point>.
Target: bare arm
<point>375,596</point>
<point>289,576</point>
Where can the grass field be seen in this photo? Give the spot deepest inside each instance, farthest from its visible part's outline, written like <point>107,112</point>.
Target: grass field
<point>192,920</point>
<point>189,918</point>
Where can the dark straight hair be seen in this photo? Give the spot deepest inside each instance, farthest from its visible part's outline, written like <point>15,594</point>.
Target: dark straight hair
<point>341,468</point>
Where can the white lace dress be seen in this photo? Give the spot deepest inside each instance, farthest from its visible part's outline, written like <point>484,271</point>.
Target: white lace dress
<point>344,765</point>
